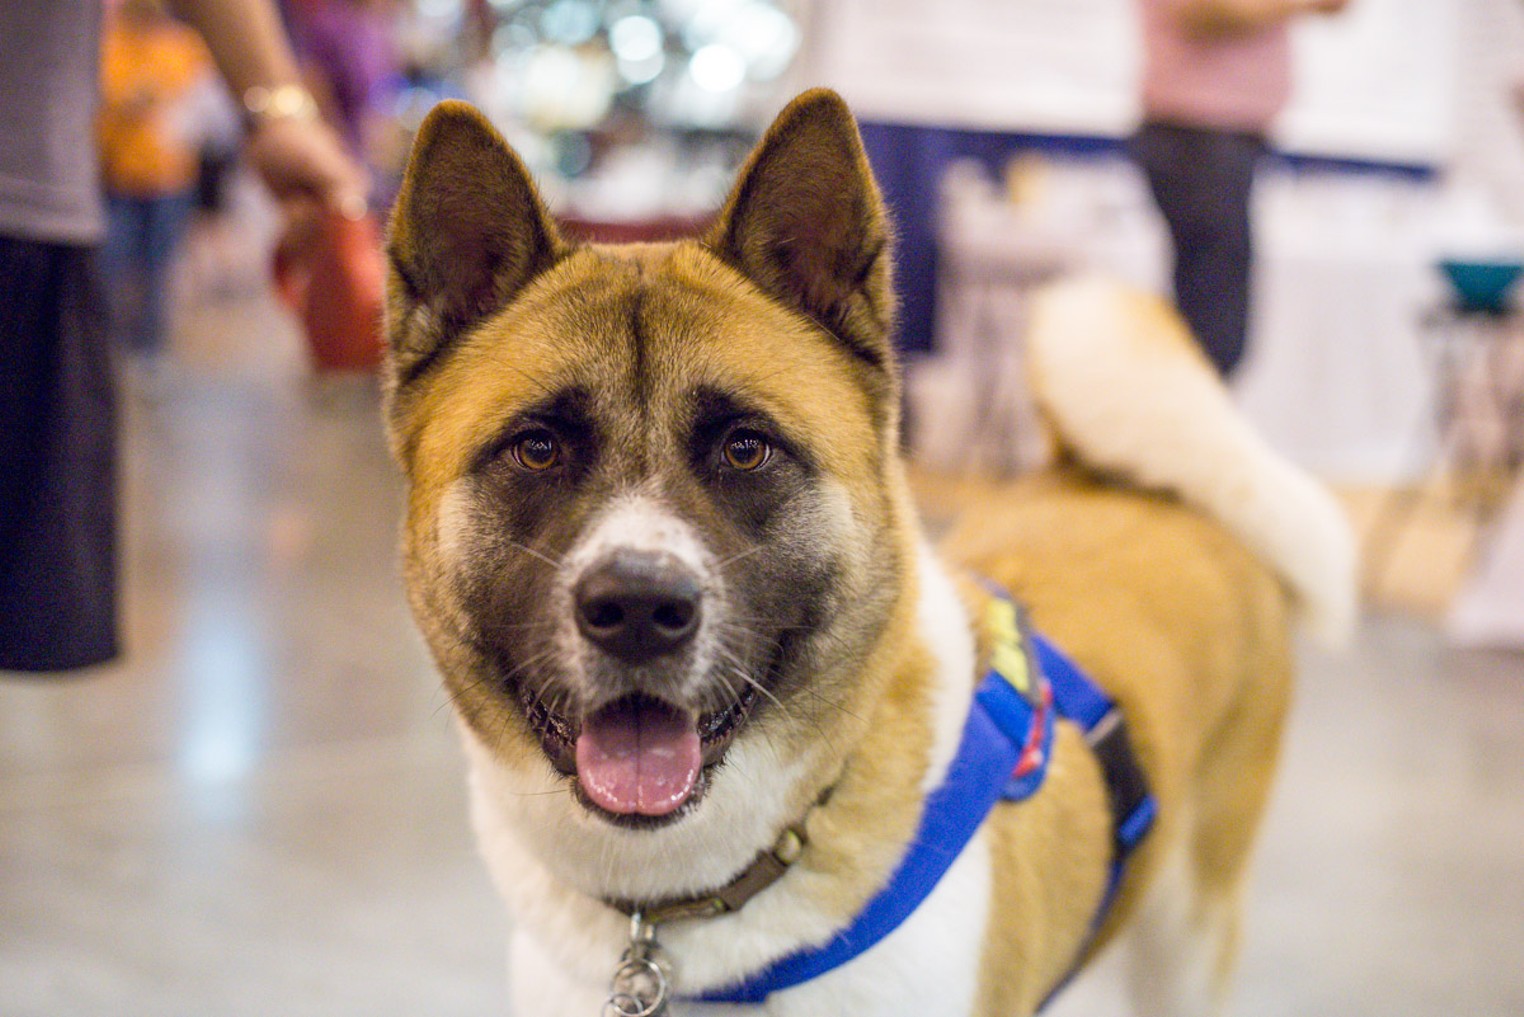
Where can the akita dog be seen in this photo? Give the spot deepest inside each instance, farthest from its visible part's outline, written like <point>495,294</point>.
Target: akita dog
<point>714,686</point>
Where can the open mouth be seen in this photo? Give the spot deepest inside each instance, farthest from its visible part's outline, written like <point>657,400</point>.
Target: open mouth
<point>638,758</point>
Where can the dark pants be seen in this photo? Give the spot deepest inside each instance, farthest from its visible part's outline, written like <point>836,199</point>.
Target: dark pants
<point>1201,180</point>
<point>57,462</point>
<point>142,236</point>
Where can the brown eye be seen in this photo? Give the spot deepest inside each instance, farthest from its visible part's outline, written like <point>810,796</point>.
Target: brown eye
<point>746,450</point>
<point>536,451</point>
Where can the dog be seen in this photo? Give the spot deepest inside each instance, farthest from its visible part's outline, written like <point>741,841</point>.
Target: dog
<point>708,671</point>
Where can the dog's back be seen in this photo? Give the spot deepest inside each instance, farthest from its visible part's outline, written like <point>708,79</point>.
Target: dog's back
<point>1167,552</point>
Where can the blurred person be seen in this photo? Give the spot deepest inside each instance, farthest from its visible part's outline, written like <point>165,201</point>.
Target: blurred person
<point>347,50</point>
<point>224,261</point>
<point>153,69</point>
<point>1216,73</point>
<point>57,440</point>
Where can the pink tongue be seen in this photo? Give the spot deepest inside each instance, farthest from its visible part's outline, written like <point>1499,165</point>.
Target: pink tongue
<point>638,757</point>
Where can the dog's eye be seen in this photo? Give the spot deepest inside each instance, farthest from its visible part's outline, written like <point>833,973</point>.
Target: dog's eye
<point>746,450</point>
<point>536,451</point>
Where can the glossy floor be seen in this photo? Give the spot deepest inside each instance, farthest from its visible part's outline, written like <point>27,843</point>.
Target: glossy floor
<point>260,811</point>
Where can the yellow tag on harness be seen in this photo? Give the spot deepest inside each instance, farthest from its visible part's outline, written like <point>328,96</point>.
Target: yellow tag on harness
<point>1008,657</point>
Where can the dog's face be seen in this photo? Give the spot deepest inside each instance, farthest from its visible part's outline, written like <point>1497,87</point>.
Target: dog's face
<point>654,510</point>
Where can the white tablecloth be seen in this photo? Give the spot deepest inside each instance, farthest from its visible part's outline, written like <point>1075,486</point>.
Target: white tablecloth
<point>1335,377</point>
<point>1489,609</point>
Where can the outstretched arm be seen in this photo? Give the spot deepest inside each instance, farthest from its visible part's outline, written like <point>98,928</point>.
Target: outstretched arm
<point>1234,17</point>
<point>297,155</point>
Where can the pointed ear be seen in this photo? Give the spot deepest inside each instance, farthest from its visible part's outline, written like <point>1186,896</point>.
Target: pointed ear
<point>467,233</point>
<point>806,223</point>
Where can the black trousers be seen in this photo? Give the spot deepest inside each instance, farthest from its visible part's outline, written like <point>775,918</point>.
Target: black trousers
<point>1201,179</point>
<point>57,461</point>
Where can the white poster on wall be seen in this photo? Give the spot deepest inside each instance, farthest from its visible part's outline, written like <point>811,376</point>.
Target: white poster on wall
<point>1373,83</point>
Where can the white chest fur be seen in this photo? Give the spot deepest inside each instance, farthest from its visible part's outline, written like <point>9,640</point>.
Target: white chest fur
<point>566,944</point>
<point>929,965</point>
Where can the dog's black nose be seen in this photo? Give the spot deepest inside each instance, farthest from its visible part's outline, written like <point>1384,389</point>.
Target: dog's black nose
<point>637,605</point>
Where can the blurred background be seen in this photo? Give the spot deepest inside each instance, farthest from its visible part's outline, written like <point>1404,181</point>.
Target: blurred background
<point>259,808</point>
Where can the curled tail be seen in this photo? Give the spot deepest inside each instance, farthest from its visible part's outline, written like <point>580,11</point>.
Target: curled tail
<point>1126,389</point>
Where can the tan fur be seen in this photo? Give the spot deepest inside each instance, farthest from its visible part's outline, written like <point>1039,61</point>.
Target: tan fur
<point>787,301</point>
<point>1188,632</point>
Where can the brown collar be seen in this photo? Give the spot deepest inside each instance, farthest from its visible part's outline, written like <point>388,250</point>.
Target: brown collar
<point>767,868</point>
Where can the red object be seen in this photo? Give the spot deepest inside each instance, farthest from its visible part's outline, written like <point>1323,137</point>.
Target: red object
<point>634,231</point>
<point>336,285</point>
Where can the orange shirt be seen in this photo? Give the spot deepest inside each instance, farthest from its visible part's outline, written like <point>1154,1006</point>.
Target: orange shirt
<point>149,78</point>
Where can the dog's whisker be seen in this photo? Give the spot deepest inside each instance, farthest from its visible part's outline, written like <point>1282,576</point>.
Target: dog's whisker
<point>725,563</point>
<point>776,642</point>
<point>738,668</point>
<point>548,792</point>
<point>831,703</point>
<point>534,554</point>
<point>454,697</point>
<point>824,735</point>
<point>729,689</point>
<point>517,671</point>
<point>543,625</point>
<point>537,382</point>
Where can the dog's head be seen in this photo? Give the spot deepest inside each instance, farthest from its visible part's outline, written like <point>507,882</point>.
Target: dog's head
<point>655,511</point>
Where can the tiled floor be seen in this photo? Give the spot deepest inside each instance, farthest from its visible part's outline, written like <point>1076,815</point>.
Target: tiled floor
<point>260,811</point>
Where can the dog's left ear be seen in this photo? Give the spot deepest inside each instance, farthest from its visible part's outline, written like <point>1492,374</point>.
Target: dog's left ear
<point>806,223</point>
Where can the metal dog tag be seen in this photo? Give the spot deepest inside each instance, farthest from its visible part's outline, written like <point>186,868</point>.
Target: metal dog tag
<point>639,987</point>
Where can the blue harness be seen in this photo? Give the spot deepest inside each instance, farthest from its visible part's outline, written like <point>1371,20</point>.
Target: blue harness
<point>1003,756</point>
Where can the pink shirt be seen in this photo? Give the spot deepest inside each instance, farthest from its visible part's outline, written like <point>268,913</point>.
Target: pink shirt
<point>1232,82</point>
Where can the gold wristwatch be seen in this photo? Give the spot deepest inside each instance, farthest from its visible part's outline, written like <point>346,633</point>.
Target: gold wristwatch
<point>263,103</point>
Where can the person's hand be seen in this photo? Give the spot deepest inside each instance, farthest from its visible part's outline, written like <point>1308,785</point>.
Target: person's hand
<point>305,166</point>
<point>1326,6</point>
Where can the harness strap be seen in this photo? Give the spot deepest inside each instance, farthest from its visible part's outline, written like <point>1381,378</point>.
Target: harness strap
<point>1080,700</point>
<point>953,814</point>
<point>1133,806</point>
<point>1003,756</point>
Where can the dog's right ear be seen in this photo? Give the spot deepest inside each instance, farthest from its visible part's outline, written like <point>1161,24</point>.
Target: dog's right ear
<point>467,233</point>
